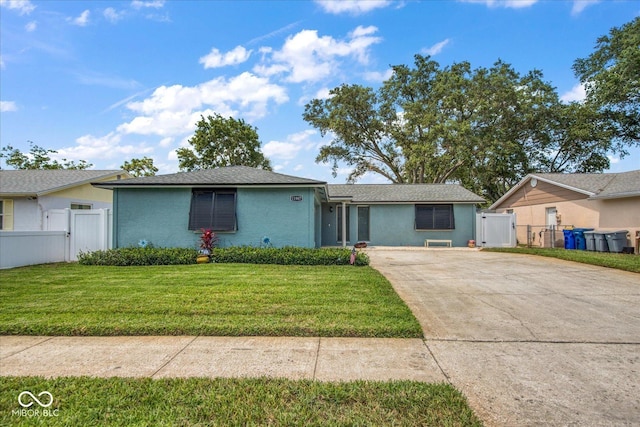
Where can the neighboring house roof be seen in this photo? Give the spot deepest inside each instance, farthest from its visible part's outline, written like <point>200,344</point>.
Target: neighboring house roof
<point>29,183</point>
<point>625,184</point>
<point>225,176</point>
<point>403,193</point>
<point>594,185</point>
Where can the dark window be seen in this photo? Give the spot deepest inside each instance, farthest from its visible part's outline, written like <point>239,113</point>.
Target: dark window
<point>434,217</point>
<point>214,209</point>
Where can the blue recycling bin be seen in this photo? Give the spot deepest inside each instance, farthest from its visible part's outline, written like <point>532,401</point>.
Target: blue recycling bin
<point>569,239</point>
<point>581,240</point>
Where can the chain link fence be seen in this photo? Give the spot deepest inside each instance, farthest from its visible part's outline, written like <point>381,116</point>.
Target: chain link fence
<point>542,236</point>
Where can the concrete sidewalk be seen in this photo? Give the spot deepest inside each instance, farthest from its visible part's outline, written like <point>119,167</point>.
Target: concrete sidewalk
<point>324,359</point>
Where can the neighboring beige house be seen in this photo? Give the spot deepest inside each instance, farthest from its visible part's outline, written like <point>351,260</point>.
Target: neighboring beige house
<point>603,201</point>
<point>26,195</point>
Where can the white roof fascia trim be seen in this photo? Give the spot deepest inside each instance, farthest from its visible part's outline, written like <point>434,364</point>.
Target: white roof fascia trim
<point>615,195</point>
<point>527,178</point>
<point>568,187</point>
<point>510,192</point>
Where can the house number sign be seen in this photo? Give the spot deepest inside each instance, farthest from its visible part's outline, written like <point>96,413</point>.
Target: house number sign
<point>296,198</point>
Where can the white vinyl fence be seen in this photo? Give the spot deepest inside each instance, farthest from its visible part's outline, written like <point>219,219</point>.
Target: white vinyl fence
<point>496,230</point>
<point>68,232</point>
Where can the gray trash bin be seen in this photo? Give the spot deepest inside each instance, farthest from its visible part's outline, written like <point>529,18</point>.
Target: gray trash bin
<point>601,241</point>
<point>590,239</point>
<point>616,240</point>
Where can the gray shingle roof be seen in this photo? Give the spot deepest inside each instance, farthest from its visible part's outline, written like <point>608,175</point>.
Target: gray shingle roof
<point>594,185</point>
<point>625,184</point>
<point>40,182</point>
<point>598,185</point>
<point>231,175</point>
<point>403,193</point>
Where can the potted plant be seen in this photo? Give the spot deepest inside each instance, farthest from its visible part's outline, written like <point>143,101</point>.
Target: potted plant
<point>208,240</point>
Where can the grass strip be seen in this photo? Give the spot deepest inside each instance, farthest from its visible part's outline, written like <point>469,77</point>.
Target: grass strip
<point>624,262</point>
<point>208,299</point>
<point>225,402</point>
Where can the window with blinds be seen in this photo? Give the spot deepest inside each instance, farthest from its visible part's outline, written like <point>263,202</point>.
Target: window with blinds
<point>434,217</point>
<point>214,209</point>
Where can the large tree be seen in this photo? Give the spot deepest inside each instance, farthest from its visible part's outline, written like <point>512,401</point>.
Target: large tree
<point>611,76</point>
<point>484,128</point>
<point>140,167</point>
<point>38,158</point>
<point>219,142</point>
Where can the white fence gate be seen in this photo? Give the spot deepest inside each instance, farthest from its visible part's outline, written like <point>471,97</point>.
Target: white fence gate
<point>496,230</point>
<point>67,233</point>
<point>87,230</point>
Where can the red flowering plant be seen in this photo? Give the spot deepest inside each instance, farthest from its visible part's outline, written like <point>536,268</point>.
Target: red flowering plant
<point>208,240</point>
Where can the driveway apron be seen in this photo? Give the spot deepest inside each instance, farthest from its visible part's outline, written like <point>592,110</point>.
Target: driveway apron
<point>528,340</point>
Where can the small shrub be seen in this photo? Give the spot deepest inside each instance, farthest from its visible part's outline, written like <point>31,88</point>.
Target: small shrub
<point>139,256</point>
<point>287,256</point>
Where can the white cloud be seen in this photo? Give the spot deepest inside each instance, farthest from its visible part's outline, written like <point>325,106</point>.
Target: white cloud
<point>153,4</point>
<point>514,4</point>
<point>580,5</point>
<point>174,110</point>
<point>165,142</point>
<point>6,106</point>
<point>81,20</point>
<point>577,93</point>
<point>24,7</point>
<point>291,147</point>
<point>354,7</point>
<point>436,48</point>
<point>112,15</point>
<point>377,76</point>
<point>89,147</point>
<point>323,93</point>
<point>306,57</point>
<point>281,150</point>
<point>216,59</point>
<point>31,26</point>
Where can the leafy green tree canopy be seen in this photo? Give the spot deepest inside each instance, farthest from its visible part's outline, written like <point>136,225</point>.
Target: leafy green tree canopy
<point>611,76</point>
<point>38,158</point>
<point>485,128</point>
<point>219,142</point>
<point>140,167</point>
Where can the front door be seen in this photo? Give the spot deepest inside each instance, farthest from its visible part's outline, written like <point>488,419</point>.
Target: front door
<point>363,223</point>
<point>552,219</point>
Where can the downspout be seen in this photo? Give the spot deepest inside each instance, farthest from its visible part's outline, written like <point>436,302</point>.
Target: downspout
<point>344,224</point>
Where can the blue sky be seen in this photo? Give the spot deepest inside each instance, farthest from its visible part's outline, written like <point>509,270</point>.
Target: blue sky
<point>106,81</point>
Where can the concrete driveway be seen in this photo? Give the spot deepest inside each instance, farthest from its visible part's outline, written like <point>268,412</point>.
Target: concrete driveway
<point>528,340</point>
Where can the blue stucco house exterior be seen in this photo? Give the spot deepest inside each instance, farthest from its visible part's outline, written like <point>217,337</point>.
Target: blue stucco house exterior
<point>248,206</point>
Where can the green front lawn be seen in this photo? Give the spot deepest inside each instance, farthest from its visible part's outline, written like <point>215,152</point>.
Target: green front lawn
<point>603,259</point>
<point>224,402</point>
<point>209,299</point>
